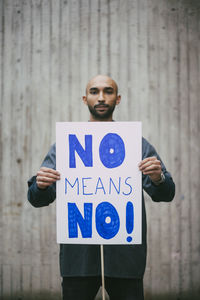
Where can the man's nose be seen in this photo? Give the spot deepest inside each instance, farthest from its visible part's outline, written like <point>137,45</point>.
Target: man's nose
<point>101,97</point>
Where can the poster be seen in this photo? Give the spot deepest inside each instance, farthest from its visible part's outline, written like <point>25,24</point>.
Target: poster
<point>99,195</point>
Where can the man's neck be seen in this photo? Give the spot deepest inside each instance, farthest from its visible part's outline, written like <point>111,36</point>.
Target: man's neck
<point>92,119</point>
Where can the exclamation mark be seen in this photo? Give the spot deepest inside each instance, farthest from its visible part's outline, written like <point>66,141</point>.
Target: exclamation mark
<point>129,220</point>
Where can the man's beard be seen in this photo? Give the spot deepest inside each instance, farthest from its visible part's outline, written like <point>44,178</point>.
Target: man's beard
<point>102,116</point>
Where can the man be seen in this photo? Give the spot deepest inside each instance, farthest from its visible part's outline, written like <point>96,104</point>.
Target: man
<point>124,264</point>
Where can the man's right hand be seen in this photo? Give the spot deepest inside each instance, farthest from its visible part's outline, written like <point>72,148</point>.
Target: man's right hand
<point>46,176</point>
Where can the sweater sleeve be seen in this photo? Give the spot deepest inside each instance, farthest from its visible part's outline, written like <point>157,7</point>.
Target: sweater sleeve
<point>43,197</point>
<point>166,190</point>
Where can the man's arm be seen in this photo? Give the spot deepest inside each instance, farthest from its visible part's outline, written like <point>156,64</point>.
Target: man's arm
<point>42,187</point>
<point>152,167</point>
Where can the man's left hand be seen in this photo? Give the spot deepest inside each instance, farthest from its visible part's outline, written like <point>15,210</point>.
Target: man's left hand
<point>151,166</point>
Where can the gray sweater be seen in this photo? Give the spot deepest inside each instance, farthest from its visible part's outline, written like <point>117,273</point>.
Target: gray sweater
<point>121,261</point>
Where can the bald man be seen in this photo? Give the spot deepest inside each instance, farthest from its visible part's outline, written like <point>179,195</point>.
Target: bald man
<point>124,265</point>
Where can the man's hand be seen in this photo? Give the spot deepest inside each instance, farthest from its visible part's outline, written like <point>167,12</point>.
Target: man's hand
<point>46,176</point>
<point>151,166</point>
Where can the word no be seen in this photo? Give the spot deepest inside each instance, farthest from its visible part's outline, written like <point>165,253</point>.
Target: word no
<point>106,218</point>
<point>111,150</point>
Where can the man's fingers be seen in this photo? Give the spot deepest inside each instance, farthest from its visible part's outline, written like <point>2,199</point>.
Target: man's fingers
<point>41,184</point>
<point>49,170</point>
<point>48,174</point>
<point>152,168</point>
<point>146,160</point>
<point>46,179</point>
<point>152,172</point>
<point>155,164</point>
<point>150,164</point>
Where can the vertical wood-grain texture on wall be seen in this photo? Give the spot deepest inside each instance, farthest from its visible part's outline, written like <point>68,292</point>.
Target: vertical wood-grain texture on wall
<point>48,51</point>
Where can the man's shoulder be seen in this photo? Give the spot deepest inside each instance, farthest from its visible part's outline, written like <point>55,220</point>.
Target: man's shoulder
<point>52,149</point>
<point>147,149</point>
<point>145,143</point>
<point>50,159</point>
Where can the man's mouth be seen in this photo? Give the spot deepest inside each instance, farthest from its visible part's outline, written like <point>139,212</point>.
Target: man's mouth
<point>101,107</point>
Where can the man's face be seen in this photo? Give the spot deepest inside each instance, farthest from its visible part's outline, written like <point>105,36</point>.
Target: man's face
<point>101,98</point>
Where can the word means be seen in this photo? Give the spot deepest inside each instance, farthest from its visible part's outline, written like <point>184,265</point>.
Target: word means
<point>89,186</point>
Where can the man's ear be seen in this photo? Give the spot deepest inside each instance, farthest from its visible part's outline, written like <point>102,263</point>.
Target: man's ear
<point>84,98</point>
<point>118,99</point>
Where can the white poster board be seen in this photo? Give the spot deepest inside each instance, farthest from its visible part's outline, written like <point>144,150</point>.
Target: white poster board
<point>99,196</point>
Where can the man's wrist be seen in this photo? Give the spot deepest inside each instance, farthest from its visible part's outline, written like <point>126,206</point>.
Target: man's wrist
<point>161,180</point>
<point>39,188</point>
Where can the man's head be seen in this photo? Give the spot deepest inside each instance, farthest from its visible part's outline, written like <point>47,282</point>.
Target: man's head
<point>101,98</point>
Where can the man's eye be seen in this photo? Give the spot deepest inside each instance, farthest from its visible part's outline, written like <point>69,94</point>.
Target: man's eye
<point>109,91</point>
<point>93,92</point>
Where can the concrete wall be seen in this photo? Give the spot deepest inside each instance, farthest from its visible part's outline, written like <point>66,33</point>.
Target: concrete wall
<point>48,51</point>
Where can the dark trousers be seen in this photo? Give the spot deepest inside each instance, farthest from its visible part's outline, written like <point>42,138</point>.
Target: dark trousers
<point>86,288</point>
